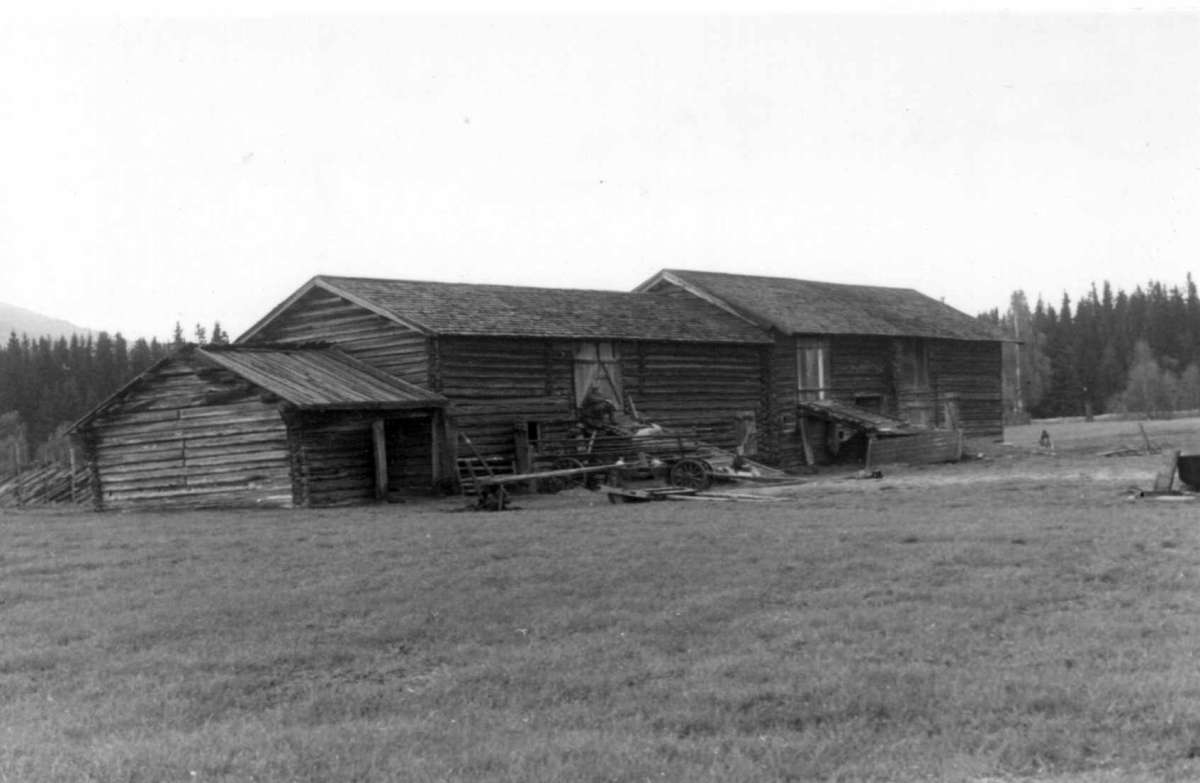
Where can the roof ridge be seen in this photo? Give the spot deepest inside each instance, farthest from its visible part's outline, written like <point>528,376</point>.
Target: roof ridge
<point>503,286</point>
<point>798,306</point>
<point>306,345</point>
<point>805,280</point>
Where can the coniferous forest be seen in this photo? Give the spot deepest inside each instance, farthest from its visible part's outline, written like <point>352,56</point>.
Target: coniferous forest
<point>46,383</point>
<point>1107,352</point>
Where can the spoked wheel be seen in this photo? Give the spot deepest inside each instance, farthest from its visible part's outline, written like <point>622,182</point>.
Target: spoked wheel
<point>691,473</point>
<point>553,484</point>
<point>493,498</point>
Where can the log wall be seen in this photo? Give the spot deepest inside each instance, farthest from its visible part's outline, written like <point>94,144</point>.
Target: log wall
<point>863,367</point>
<point>496,382</point>
<point>866,368</point>
<point>336,456</point>
<point>410,455</point>
<point>188,440</point>
<point>789,449</point>
<point>968,374</point>
<point>697,388</point>
<point>378,341</point>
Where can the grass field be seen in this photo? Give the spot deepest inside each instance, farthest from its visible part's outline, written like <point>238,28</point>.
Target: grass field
<point>1006,618</point>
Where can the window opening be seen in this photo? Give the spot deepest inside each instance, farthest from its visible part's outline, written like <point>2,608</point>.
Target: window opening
<point>812,364</point>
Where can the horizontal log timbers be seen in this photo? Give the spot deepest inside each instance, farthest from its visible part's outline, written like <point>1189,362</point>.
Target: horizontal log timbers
<point>172,442</point>
<point>379,341</point>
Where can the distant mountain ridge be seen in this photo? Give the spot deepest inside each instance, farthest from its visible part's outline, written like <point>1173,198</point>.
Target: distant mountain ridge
<point>22,321</point>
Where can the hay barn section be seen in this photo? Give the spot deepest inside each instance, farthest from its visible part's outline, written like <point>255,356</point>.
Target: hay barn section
<point>514,363</point>
<point>224,426</point>
<point>884,351</point>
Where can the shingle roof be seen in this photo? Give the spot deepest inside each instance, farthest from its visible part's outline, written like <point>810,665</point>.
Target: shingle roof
<point>809,307</point>
<point>320,377</point>
<point>469,310</point>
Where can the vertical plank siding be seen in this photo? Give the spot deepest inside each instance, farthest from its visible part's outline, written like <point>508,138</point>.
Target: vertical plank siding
<point>322,316</point>
<point>189,440</point>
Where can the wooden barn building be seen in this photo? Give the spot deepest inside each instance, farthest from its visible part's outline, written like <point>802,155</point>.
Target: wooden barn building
<point>356,389</point>
<point>259,426</point>
<point>843,352</point>
<point>514,363</point>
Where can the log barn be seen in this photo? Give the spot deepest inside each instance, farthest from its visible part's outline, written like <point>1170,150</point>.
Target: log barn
<point>514,363</point>
<point>359,389</point>
<point>841,353</point>
<point>263,425</point>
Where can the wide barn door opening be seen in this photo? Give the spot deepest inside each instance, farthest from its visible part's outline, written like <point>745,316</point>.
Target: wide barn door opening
<point>598,366</point>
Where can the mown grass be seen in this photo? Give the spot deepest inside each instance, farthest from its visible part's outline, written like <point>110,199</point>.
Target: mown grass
<point>1106,435</point>
<point>857,631</point>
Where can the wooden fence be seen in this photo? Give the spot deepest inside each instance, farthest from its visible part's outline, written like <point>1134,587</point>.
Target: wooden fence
<point>45,484</point>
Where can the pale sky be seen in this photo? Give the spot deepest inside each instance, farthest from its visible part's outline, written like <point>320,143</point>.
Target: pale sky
<point>203,168</point>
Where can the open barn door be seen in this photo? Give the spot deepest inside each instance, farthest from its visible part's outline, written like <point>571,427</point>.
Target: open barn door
<point>598,365</point>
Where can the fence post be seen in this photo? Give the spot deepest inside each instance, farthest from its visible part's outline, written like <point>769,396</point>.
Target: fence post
<point>16,449</point>
<point>71,451</point>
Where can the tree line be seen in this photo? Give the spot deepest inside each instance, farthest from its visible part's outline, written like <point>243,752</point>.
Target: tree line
<point>47,383</point>
<point>1108,352</point>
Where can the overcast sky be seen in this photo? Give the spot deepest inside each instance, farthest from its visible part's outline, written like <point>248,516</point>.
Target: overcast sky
<point>155,170</point>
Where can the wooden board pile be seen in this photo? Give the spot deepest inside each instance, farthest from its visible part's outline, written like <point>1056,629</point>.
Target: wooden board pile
<point>634,495</point>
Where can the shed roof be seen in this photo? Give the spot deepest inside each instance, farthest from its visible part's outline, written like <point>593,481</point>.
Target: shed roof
<point>810,307</point>
<point>860,418</point>
<point>309,376</point>
<point>467,309</point>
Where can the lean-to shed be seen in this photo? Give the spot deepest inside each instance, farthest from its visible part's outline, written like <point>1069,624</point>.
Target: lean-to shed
<point>515,362</point>
<point>264,425</point>
<point>889,351</point>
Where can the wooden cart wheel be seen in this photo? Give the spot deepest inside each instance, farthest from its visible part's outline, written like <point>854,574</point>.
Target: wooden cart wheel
<point>493,498</point>
<point>691,473</point>
<point>570,463</point>
<point>552,484</point>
